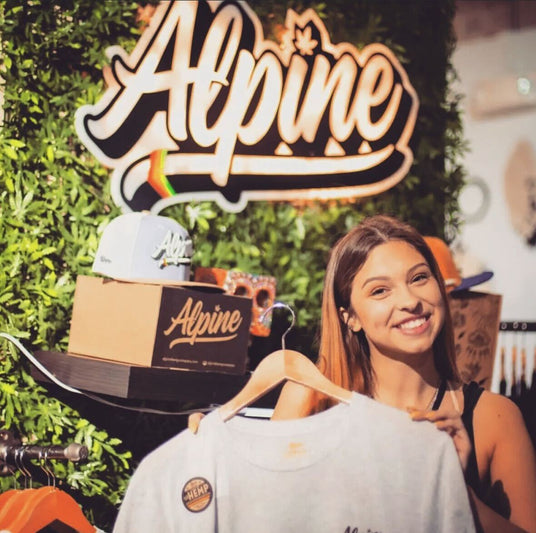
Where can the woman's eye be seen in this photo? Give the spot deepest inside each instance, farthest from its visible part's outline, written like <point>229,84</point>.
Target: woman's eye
<point>379,291</point>
<point>421,276</point>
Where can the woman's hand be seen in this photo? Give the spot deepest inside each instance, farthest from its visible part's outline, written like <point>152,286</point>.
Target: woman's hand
<point>451,422</point>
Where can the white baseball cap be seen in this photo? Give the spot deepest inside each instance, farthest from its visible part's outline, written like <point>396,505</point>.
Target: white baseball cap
<point>142,247</point>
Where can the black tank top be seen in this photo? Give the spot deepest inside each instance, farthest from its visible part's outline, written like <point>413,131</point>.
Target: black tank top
<point>471,395</point>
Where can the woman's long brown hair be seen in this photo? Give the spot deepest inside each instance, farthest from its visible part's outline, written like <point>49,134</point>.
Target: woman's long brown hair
<point>344,356</point>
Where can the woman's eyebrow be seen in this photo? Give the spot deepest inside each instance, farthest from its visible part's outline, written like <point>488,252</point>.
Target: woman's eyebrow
<point>385,278</point>
<point>419,265</point>
<point>374,278</point>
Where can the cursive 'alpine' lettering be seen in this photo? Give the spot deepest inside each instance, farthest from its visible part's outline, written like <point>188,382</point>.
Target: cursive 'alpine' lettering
<point>193,322</point>
<point>246,117</point>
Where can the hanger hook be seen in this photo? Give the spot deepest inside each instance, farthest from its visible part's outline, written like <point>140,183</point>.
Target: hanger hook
<point>19,461</point>
<point>17,467</point>
<point>48,469</point>
<point>288,308</point>
<point>43,456</point>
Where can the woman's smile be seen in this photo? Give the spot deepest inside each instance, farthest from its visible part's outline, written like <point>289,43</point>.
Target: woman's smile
<point>414,326</point>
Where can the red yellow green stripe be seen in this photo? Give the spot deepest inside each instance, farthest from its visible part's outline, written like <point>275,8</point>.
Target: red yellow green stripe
<point>157,179</point>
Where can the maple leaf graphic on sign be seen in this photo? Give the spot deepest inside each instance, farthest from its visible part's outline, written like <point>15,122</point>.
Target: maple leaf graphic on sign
<point>304,43</point>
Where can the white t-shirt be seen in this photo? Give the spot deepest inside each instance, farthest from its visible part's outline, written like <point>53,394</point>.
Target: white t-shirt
<point>362,467</point>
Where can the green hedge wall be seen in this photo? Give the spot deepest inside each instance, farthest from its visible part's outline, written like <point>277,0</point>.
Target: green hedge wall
<point>55,201</point>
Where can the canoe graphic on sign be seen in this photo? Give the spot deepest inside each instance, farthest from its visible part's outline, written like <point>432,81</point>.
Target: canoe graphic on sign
<point>204,108</point>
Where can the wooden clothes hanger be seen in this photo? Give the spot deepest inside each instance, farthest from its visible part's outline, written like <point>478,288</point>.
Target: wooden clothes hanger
<point>277,367</point>
<point>30,510</point>
<point>5,496</point>
<point>13,500</point>
<point>13,507</point>
<point>46,505</point>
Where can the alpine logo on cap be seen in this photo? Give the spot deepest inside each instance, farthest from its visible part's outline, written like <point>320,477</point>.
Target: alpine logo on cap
<point>174,250</point>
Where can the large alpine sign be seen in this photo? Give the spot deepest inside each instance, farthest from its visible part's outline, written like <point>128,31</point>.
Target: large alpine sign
<point>204,108</point>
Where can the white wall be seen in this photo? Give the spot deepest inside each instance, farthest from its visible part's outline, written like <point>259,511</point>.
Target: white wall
<point>490,240</point>
<point>493,240</point>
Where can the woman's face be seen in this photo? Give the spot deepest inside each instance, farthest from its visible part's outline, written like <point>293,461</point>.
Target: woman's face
<point>396,300</point>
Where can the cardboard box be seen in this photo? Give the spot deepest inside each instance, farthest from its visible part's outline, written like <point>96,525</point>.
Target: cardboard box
<point>190,328</point>
<point>475,318</point>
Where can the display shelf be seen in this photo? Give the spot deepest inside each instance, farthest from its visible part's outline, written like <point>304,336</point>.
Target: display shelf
<point>136,382</point>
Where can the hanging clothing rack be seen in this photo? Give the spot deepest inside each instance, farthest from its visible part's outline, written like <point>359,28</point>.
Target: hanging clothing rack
<point>516,368</point>
<point>27,509</point>
<point>73,452</point>
<point>516,356</point>
<point>517,325</point>
<point>11,450</point>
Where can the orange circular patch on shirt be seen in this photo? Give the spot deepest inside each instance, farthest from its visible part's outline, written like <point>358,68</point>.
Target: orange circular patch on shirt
<point>197,494</point>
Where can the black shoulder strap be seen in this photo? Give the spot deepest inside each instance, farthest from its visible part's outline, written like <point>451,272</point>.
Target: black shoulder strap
<point>471,394</point>
<point>440,393</point>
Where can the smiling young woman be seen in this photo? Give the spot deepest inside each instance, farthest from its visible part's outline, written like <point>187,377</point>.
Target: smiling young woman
<point>386,332</point>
